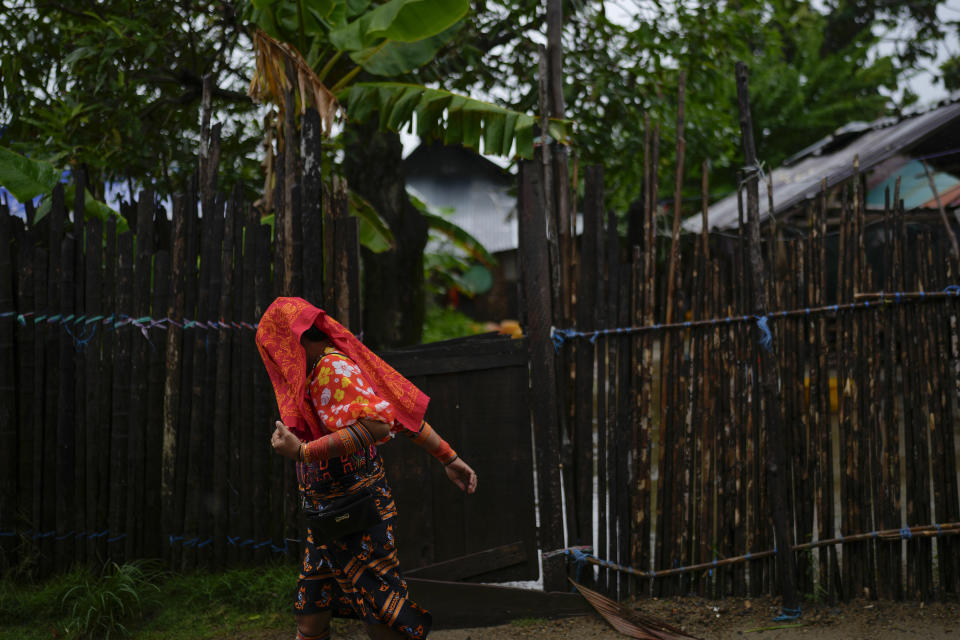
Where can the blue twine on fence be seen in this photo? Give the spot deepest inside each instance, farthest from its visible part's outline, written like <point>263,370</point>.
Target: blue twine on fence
<point>116,321</point>
<point>766,338</point>
<point>172,539</point>
<point>939,529</point>
<point>580,557</point>
<point>80,343</point>
<point>905,533</point>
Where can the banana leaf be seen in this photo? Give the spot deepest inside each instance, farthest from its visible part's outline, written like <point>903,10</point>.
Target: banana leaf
<point>399,21</point>
<point>24,177</point>
<point>455,118</point>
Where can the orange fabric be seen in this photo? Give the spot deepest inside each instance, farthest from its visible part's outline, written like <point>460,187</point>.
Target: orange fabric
<point>340,395</point>
<point>278,340</point>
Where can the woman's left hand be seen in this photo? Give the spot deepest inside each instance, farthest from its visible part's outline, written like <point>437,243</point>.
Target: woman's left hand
<point>284,442</point>
<point>462,475</point>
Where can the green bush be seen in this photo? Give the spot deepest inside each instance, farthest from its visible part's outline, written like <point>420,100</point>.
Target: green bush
<point>101,606</point>
<point>444,323</point>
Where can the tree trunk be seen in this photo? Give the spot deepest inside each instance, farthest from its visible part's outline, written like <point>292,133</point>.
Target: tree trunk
<point>393,285</point>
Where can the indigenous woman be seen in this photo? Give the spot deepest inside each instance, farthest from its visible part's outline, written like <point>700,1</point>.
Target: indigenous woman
<point>337,401</point>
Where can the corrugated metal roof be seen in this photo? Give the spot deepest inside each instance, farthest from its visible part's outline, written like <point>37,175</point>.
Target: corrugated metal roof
<point>801,181</point>
<point>914,187</point>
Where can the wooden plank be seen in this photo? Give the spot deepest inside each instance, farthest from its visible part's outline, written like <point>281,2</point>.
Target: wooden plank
<point>265,406</point>
<point>51,374</point>
<point>66,424</point>
<point>456,356</point>
<point>9,451</point>
<point>311,221</point>
<point>139,371</point>
<point>251,431</point>
<point>210,509</point>
<point>41,464</point>
<point>546,419</point>
<point>188,371</point>
<point>484,420</point>
<point>222,416</point>
<point>585,354</point>
<point>80,356</point>
<point>173,355</point>
<point>93,305</point>
<point>120,418</point>
<point>472,565</point>
<point>154,542</point>
<point>778,495</point>
<point>9,458</point>
<point>26,374</point>
<point>239,426</point>
<point>630,489</point>
<point>462,604</point>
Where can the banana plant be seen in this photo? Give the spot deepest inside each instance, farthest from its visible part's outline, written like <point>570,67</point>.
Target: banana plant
<point>26,178</point>
<point>328,43</point>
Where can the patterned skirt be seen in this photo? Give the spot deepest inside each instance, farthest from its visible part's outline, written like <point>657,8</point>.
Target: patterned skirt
<point>357,576</point>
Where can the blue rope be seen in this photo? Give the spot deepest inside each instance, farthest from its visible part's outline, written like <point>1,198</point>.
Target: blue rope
<point>196,541</point>
<point>79,344</point>
<point>766,339</point>
<point>905,533</point>
<point>580,558</point>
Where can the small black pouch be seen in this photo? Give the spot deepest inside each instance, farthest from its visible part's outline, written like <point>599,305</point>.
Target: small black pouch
<point>345,515</point>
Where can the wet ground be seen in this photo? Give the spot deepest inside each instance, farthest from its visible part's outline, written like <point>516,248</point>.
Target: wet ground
<point>740,619</point>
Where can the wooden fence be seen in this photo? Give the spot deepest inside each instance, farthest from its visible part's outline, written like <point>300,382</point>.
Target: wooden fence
<point>659,387</point>
<point>135,413</point>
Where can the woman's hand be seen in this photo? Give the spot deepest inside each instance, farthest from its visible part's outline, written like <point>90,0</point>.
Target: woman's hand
<point>284,442</point>
<point>462,475</point>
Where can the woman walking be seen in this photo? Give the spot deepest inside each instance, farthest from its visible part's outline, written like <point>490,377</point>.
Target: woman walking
<point>337,401</point>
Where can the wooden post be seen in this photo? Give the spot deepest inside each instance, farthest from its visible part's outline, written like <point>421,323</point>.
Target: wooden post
<point>587,302</point>
<point>171,386</point>
<point>779,495</point>
<point>536,284</point>
<point>290,177</point>
<point>311,153</point>
<point>139,357</point>
<point>222,414</point>
<point>120,422</point>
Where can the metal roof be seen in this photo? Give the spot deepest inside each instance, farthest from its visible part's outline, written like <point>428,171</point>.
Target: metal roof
<point>800,181</point>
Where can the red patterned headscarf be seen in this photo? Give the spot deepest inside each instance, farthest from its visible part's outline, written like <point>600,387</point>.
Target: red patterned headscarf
<point>278,340</point>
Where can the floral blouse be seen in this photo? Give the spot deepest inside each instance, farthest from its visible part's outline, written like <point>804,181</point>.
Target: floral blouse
<point>341,396</point>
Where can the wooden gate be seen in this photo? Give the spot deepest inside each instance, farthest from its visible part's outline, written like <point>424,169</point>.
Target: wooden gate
<point>479,402</point>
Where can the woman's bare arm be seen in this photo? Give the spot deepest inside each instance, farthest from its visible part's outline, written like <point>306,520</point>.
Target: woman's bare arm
<point>456,469</point>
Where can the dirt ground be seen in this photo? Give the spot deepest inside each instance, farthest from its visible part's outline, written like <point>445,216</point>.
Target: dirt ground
<point>729,619</point>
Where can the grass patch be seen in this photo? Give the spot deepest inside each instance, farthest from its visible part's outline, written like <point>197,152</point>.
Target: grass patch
<point>149,605</point>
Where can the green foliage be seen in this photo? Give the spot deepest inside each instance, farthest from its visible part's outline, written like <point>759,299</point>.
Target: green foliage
<point>619,68</point>
<point>191,606</point>
<point>454,118</point>
<point>446,323</point>
<point>454,234</point>
<point>26,178</point>
<point>951,73</point>
<point>116,87</point>
<point>101,606</point>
